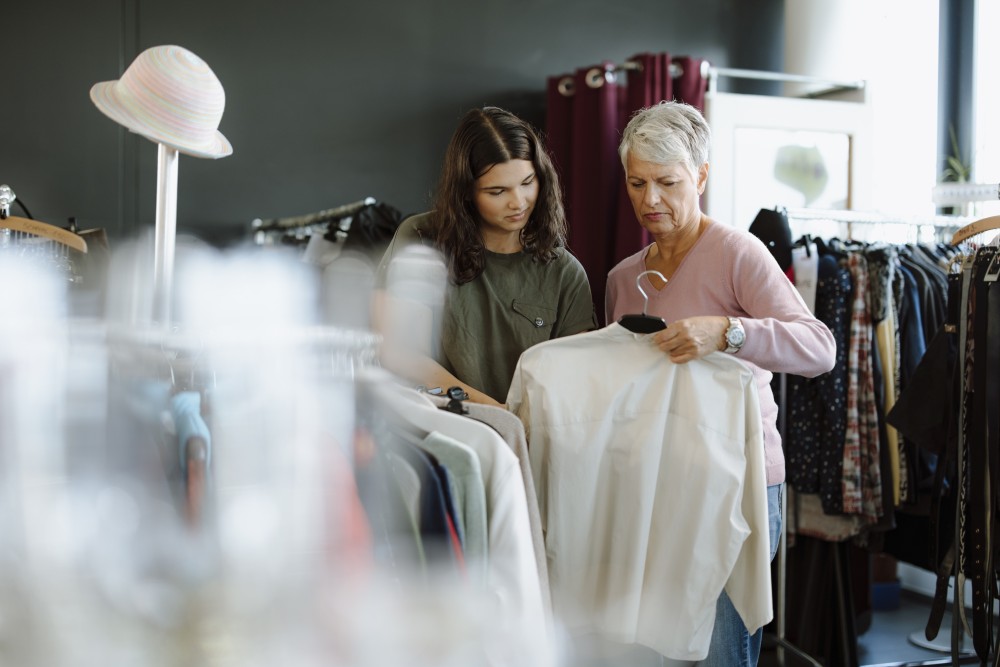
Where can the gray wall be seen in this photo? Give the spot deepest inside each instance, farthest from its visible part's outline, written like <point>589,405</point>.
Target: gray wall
<point>326,102</point>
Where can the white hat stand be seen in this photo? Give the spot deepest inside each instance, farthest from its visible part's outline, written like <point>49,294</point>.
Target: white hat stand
<point>173,98</point>
<point>166,233</point>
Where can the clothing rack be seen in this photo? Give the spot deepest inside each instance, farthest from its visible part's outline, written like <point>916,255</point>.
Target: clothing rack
<point>714,73</point>
<point>319,217</point>
<point>35,228</point>
<point>873,217</point>
<point>359,345</point>
<point>849,217</point>
<point>937,224</point>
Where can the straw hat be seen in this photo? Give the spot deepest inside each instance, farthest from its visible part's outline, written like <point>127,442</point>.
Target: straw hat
<point>170,96</point>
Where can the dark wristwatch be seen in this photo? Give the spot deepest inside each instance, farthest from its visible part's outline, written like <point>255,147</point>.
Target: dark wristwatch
<point>735,336</point>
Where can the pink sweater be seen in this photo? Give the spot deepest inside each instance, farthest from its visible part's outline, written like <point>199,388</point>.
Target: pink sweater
<point>730,272</point>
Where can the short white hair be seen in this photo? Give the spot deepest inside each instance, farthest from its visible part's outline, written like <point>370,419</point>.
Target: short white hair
<point>667,133</point>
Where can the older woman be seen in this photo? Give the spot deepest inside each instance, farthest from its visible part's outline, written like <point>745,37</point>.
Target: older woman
<point>723,292</point>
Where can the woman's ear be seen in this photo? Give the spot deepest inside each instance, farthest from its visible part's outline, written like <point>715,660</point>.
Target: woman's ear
<point>702,178</point>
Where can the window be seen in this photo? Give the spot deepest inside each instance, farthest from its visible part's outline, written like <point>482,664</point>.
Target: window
<point>985,157</point>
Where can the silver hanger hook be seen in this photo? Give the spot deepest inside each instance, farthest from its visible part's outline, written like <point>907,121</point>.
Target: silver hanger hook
<point>638,285</point>
<point>7,198</point>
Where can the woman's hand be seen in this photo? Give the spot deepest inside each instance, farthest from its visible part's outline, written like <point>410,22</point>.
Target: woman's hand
<point>692,338</point>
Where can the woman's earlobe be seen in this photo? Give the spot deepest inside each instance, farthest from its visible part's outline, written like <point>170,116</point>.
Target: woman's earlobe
<point>702,178</point>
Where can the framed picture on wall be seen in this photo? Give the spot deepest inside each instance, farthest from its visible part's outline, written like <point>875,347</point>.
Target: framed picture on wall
<point>788,152</point>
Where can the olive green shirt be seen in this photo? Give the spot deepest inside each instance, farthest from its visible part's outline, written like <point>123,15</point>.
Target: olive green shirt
<point>517,302</point>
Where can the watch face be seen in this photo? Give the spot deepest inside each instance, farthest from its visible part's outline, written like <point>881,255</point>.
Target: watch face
<point>735,336</point>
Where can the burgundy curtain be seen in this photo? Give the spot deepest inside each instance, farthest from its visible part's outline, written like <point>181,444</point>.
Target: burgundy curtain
<point>559,100</point>
<point>648,83</point>
<point>690,86</point>
<point>587,112</point>
<point>582,128</point>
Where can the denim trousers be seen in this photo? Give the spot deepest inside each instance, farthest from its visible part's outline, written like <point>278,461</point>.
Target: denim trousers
<point>732,644</point>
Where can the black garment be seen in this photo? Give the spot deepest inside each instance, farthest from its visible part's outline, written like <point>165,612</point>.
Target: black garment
<point>919,466</point>
<point>926,414</point>
<point>771,227</point>
<point>817,407</point>
<point>911,332</point>
<point>821,616</point>
<point>932,285</point>
<point>980,401</point>
<point>370,230</point>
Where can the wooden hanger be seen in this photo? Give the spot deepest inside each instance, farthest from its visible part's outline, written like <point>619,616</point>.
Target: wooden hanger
<point>977,227</point>
<point>45,230</point>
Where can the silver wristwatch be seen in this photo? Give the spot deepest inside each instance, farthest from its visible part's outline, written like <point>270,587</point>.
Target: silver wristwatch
<point>735,336</point>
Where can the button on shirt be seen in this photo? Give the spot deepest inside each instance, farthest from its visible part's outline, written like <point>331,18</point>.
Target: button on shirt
<point>651,486</point>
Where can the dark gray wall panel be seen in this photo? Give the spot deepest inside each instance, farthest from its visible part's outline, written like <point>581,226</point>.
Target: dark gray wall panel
<point>326,102</point>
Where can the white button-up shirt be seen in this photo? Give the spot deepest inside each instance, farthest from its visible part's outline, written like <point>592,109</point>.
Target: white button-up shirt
<point>651,487</point>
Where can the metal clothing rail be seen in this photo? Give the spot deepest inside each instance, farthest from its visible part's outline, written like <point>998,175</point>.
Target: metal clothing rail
<point>316,218</point>
<point>875,218</point>
<point>713,73</point>
<point>931,228</point>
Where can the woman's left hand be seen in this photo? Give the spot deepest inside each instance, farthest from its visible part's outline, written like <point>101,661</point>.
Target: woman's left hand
<point>692,338</point>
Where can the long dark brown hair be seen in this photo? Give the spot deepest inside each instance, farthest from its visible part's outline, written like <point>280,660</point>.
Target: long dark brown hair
<point>486,137</point>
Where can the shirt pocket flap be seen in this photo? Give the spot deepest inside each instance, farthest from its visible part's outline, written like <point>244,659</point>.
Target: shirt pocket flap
<point>538,316</point>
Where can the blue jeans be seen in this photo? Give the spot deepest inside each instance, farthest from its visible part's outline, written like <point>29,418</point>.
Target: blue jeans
<point>732,644</point>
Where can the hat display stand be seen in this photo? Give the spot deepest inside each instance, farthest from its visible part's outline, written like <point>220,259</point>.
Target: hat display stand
<point>170,96</point>
<point>165,236</point>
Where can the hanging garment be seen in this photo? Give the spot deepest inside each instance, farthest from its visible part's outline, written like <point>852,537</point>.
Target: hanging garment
<point>194,444</point>
<point>817,407</point>
<point>511,430</point>
<point>771,226</point>
<point>469,496</point>
<point>651,487</point>
<point>862,472</point>
<point>512,577</point>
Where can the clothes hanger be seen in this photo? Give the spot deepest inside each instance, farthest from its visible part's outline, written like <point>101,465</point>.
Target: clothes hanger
<point>977,227</point>
<point>45,230</point>
<point>643,323</point>
<point>34,227</point>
